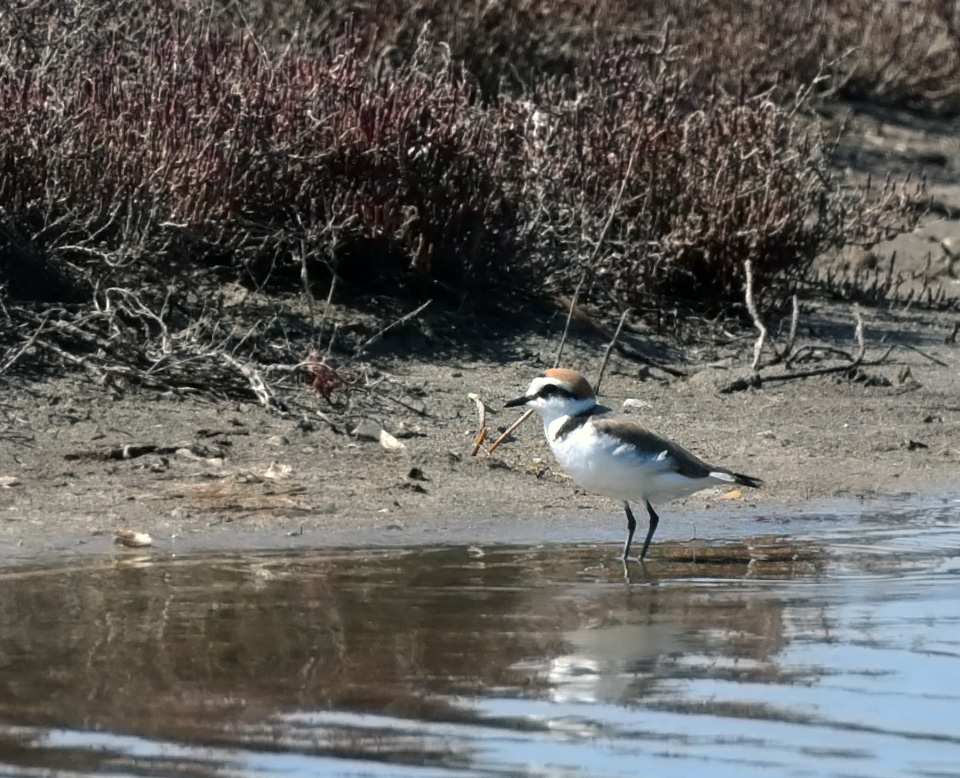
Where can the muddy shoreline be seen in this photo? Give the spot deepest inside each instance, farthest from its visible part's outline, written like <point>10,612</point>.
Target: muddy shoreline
<point>201,474</point>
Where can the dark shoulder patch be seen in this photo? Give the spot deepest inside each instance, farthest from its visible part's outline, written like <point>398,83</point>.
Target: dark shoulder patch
<point>575,422</point>
<point>572,423</point>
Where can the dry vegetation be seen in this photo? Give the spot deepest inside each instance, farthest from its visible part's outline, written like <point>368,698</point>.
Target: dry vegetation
<point>150,152</point>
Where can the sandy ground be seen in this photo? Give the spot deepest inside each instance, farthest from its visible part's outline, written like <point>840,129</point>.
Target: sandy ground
<point>208,474</point>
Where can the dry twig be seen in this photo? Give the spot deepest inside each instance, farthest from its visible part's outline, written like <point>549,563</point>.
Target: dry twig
<point>257,384</point>
<point>792,337</point>
<point>482,426</point>
<point>481,409</point>
<point>925,355</point>
<point>10,360</point>
<point>566,327</point>
<point>754,314</point>
<point>855,361</point>
<point>405,318</point>
<point>526,415</point>
<point>606,354</point>
<point>479,442</point>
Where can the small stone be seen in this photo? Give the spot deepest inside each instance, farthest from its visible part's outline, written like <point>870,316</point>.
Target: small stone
<point>131,539</point>
<point>367,430</point>
<point>278,472</point>
<point>409,431</point>
<point>389,442</point>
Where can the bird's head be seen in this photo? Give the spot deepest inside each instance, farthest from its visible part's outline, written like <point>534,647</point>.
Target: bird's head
<point>557,393</point>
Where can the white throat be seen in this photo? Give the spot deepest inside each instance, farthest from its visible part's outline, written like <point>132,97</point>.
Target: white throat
<point>555,412</point>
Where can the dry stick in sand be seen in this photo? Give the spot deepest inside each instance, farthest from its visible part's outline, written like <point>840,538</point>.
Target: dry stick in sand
<point>305,278</point>
<point>257,385</point>
<point>406,317</point>
<point>606,354</point>
<point>10,360</point>
<point>858,333</point>
<point>858,361</point>
<point>481,409</point>
<point>509,432</point>
<point>480,438</point>
<point>482,413</point>
<point>792,337</point>
<point>921,353</point>
<point>318,335</point>
<point>752,310</point>
<point>566,327</point>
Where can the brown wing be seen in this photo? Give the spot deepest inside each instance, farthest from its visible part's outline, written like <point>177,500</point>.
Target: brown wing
<point>650,445</point>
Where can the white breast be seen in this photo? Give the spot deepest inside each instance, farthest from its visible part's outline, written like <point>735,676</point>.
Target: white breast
<point>607,465</point>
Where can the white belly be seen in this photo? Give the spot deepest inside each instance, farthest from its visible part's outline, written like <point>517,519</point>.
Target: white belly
<point>603,465</point>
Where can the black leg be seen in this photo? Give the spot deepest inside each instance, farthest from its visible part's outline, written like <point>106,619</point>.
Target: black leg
<point>631,528</point>
<point>654,521</point>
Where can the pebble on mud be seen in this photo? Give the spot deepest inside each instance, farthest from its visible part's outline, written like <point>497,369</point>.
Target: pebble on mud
<point>131,539</point>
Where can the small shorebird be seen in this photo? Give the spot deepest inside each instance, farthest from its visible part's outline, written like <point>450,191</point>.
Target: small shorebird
<point>616,457</point>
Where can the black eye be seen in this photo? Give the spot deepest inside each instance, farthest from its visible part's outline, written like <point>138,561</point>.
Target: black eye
<point>548,390</point>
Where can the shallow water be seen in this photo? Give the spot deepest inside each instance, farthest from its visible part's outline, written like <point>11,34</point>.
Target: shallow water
<point>837,653</point>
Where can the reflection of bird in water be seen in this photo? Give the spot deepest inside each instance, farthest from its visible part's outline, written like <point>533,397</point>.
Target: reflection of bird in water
<point>613,664</point>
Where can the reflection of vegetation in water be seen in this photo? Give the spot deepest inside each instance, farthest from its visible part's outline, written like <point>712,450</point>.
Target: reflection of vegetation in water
<point>181,646</point>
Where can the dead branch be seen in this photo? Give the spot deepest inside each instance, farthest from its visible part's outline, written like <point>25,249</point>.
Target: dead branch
<point>792,337</point>
<point>326,313</point>
<point>481,409</point>
<point>102,371</point>
<point>479,442</point>
<point>257,384</point>
<point>526,415</point>
<point>912,348</point>
<point>813,348</point>
<point>754,314</point>
<point>305,280</point>
<point>858,333</point>
<point>736,386</point>
<point>859,362</point>
<point>10,360</point>
<point>622,348</point>
<point>606,354</point>
<point>855,361</point>
<point>482,426</point>
<point>403,319</point>
<point>566,327</point>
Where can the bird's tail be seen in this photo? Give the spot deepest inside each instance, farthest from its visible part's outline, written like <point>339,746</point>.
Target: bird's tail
<point>747,480</point>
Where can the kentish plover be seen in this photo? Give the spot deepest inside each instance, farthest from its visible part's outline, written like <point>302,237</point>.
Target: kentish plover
<point>616,457</point>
